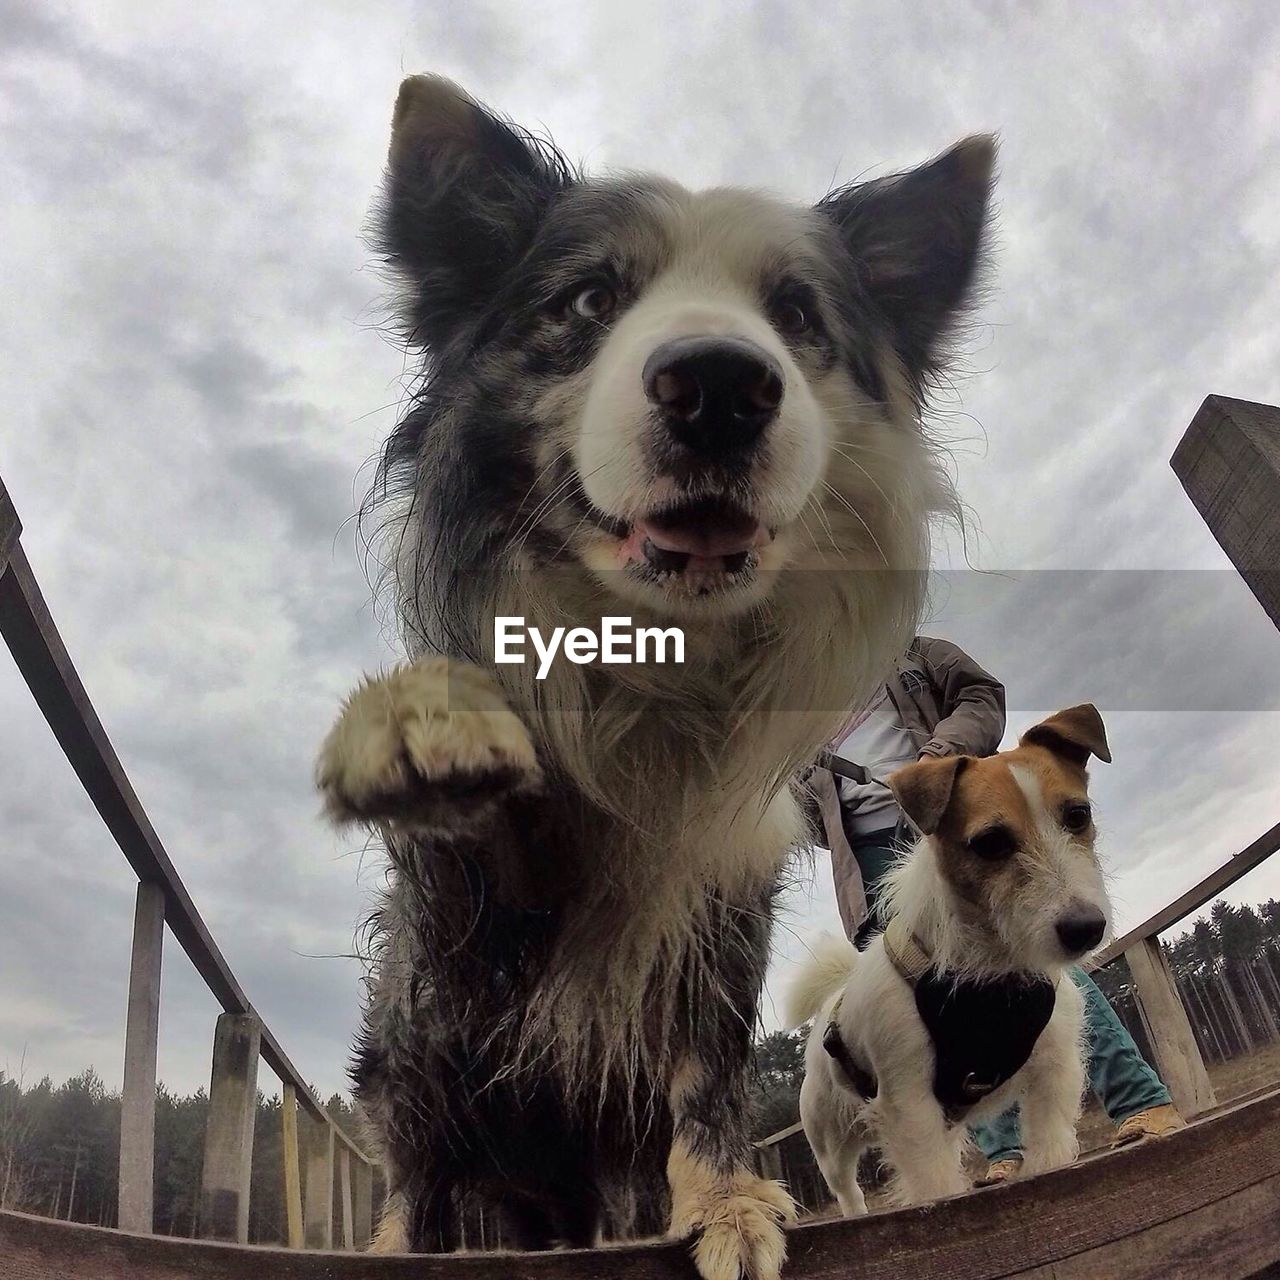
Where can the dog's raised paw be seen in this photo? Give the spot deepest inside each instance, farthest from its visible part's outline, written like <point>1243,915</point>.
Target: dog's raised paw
<point>737,1229</point>
<point>411,743</point>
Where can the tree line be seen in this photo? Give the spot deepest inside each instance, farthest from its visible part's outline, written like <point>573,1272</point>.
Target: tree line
<point>1227,972</point>
<point>59,1154</point>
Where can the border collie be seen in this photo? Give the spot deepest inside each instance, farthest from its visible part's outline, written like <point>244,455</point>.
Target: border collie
<point>963,1005</point>
<point>701,409</point>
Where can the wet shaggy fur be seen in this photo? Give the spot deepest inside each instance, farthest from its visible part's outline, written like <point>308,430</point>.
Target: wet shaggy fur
<point>569,955</point>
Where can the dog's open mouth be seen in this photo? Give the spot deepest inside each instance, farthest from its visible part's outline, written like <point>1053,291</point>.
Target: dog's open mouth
<point>701,546</point>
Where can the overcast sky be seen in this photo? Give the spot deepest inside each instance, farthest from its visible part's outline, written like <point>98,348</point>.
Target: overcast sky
<point>192,385</point>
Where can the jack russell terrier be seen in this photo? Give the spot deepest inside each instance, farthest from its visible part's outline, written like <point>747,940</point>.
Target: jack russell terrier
<point>963,1006</point>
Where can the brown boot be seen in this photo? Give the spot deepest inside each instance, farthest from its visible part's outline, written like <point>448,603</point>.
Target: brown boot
<point>1000,1171</point>
<point>1154,1122</point>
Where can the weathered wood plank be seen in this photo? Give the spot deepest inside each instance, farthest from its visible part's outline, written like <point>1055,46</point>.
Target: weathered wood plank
<point>292,1172</point>
<point>1229,1238</point>
<point>1161,1209</point>
<point>345,1200</point>
<point>1177,1054</point>
<point>228,1137</point>
<point>363,1203</point>
<point>46,666</point>
<point>10,527</point>
<point>1228,461</point>
<point>142,1026</point>
<point>319,1188</point>
<point>769,1160</point>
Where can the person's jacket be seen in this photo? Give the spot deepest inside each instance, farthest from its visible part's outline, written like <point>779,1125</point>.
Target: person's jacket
<point>949,706</point>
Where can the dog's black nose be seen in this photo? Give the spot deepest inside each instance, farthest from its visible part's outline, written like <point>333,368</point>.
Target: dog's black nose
<point>1080,928</point>
<point>716,395</point>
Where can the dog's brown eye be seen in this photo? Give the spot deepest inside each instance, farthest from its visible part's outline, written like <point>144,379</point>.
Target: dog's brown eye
<point>1076,817</point>
<point>993,845</point>
<point>790,317</point>
<point>594,302</point>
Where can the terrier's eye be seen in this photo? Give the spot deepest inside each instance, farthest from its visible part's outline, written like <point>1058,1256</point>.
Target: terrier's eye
<point>993,845</point>
<point>1076,817</point>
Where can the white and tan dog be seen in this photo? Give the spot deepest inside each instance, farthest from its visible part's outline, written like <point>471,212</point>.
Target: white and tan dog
<point>964,1005</point>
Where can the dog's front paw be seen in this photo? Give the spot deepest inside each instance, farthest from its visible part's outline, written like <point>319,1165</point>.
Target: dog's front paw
<point>736,1222</point>
<point>426,735</point>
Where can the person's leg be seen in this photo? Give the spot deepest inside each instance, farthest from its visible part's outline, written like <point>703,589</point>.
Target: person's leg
<point>1001,1138</point>
<point>875,853</point>
<point>875,856</point>
<point>1118,1073</point>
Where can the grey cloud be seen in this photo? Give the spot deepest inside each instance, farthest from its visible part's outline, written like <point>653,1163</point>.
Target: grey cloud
<point>1167,640</point>
<point>193,383</point>
<point>229,375</point>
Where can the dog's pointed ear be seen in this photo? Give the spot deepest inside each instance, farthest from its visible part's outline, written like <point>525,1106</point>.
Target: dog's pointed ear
<point>464,194</point>
<point>1076,734</point>
<point>923,790</point>
<point>916,239</point>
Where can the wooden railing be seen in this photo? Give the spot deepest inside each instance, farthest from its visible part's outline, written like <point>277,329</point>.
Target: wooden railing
<point>1229,463</point>
<point>240,1038</point>
<point>1178,1057</point>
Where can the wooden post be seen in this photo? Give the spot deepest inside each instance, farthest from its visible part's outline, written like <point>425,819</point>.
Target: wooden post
<point>138,1100</point>
<point>1229,463</point>
<point>769,1160</point>
<point>319,1190</point>
<point>228,1137</point>
<point>344,1196</point>
<point>292,1173</point>
<point>1177,1055</point>
<point>363,1204</point>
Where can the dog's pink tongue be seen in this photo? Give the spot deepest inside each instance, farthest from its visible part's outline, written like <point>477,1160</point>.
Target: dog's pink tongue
<point>704,541</point>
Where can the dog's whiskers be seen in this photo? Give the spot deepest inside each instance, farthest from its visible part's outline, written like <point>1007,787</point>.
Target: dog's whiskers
<point>853,511</point>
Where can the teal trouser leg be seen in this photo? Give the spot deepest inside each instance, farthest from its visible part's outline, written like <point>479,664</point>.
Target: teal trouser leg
<point>875,854</point>
<point>1118,1074</point>
<point>999,1139</point>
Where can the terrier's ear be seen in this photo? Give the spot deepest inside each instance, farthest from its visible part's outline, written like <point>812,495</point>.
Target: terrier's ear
<point>916,239</point>
<point>464,194</point>
<point>923,790</point>
<point>1074,734</point>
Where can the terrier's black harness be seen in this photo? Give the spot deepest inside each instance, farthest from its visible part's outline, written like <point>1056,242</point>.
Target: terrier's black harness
<point>983,1031</point>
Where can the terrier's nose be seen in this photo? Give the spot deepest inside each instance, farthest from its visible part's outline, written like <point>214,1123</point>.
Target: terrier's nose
<point>1080,928</point>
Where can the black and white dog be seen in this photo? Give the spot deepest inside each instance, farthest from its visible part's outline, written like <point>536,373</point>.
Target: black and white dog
<point>704,410</point>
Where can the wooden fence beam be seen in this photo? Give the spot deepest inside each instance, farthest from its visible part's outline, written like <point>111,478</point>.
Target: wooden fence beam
<point>10,527</point>
<point>42,659</point>
<point>1177,1055</point>
<point>319,1189</point>
<point>344,1199</point>
<point>769,1160</point>
<point>362,1203</point>
<point>1212,886</point>
<point>138,1098</point>
<point>292,1171</point>
<point>228,1139</point>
